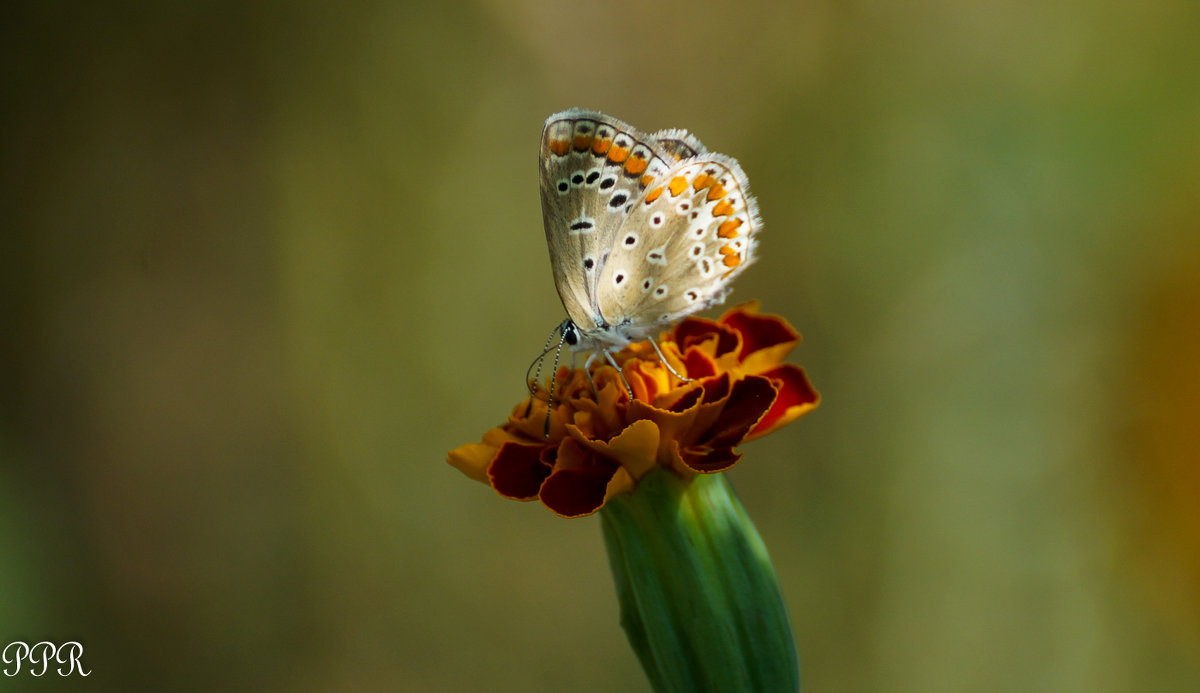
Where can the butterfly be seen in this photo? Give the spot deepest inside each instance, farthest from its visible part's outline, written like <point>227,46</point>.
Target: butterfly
<point>643,230</point>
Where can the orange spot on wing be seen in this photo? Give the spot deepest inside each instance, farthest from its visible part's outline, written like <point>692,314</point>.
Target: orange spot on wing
<point>618,154</point>
<point>582,142</point>
<point>732,261</point>
<point>726,250</point>
<point>647,180</point>
<point>703,181</point>
<point>600,146</point>
<point>716,192</point>
<point>729,229</point>
<point>654,194</point>
<point>723,209</point>
<point>559,147</point>
<point>635,166</point>
<point>677,185</point>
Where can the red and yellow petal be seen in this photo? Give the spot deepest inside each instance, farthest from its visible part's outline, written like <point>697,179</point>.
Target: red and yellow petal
<point>703,460</point>
<point>742,405</point>
<point>518,470</point>
<point>473,459</point>
<point>576,486</point>
<point>749,400</point>
<point>708,335</point>
<point>600,417</point>
<point>648,379</point>
<point>578,492</point>
<point>587,473</point>
<point>700,364</point>
<point>796,398</point>
<point>766,339</point>
<point>635,448</point>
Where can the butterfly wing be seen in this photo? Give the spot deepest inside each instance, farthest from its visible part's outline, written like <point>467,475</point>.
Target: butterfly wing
<point>687,236</point>
<point>680,144</point>
<point>593,168</point>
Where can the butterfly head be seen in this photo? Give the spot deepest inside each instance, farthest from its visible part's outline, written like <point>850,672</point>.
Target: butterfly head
<point>569,332</point>
<point>599,335</point>
<point>598,338</point>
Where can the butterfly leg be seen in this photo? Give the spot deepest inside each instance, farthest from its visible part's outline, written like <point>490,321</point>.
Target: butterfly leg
<point>667,363</point>
<point>613,362</point>
<point>587,370</point>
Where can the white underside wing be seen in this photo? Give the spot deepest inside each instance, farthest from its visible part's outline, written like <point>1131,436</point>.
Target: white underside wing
<point>643,230</point>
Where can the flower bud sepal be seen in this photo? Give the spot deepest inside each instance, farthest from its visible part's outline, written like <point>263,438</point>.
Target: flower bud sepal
<point>699,600</point>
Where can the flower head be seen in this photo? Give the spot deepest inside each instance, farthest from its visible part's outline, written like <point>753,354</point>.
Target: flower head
<point>601,442</point>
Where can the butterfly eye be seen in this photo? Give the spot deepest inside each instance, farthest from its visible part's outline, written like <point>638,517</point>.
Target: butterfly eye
<point>570,334</point>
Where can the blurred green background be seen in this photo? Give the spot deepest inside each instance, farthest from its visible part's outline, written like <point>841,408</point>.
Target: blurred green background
<point>264,264</point>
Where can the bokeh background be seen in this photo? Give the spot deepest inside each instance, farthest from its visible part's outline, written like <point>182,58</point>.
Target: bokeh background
<point>264,263</point>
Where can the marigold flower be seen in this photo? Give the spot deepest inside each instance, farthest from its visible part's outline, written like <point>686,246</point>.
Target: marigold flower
<point>601,442</point>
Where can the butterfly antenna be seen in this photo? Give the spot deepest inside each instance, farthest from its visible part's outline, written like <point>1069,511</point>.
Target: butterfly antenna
<point>533,382</point>
<point>553,383</point>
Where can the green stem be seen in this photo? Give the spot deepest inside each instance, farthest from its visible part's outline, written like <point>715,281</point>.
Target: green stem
<point>700,603</point>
